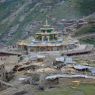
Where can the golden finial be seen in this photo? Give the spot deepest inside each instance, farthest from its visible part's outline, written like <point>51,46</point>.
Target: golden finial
<point>46,22</point>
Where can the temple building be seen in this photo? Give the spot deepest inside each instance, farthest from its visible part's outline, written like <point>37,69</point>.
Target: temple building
<point>49,40</point>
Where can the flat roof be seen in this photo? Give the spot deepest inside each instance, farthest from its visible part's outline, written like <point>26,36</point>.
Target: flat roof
<point>52,77</point>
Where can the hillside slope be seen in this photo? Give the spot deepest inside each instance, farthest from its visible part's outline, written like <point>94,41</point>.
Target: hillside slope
<point>19,17</point>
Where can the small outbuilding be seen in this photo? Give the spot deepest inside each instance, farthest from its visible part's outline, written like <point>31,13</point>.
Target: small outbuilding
<point>40,58</point>
<point>81,67</point>
<point>65,60</point>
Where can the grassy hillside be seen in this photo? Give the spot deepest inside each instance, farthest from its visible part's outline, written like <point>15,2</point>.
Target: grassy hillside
<point>83,89</point>
<point>18,15</point>
<point>88,29</point>
<point>65,10</point>
<point>90,40</point>
<point>86,34</point>
<point>8,7</point>
<point>86,7</point>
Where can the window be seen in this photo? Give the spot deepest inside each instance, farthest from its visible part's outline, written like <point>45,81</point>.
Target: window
<point>43,31</point>
<point>49,30</point>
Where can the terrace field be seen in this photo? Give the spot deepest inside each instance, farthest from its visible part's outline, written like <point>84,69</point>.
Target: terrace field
<point>83,89</point>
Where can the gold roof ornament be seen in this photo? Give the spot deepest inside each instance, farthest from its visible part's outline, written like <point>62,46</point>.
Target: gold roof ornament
<point>46,23</point>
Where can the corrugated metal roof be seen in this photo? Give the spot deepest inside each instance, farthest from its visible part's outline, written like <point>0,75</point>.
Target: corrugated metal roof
<point>65,59</point>
<point>80,67</point>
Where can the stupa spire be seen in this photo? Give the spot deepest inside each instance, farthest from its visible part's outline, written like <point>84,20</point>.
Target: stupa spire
<point>46,22</point>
